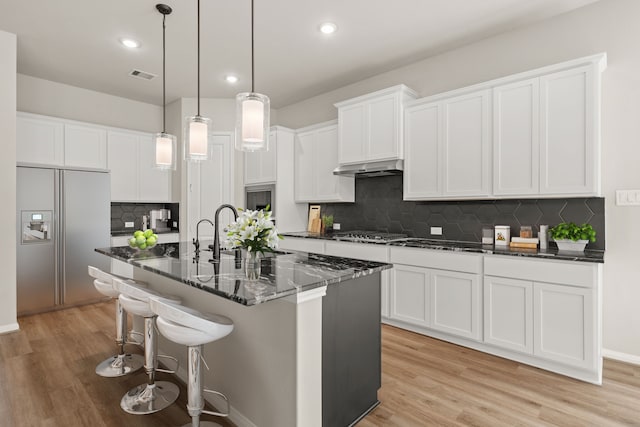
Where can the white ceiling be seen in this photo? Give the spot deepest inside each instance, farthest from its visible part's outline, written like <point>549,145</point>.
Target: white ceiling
<point>76,41</point>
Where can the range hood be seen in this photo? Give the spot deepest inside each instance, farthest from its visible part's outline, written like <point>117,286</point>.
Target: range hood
<point>371,169</point>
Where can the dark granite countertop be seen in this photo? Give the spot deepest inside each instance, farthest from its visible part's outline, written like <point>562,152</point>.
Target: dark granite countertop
<point>472,247</point>
<point>283,274</point>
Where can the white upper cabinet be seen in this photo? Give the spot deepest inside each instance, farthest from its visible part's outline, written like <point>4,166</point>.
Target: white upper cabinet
<point>123,163</point>
<point>423,151</point>
<point>516,148</point>
<point>56,142</point>
<point>370,126</point>
<point>537,135</point>
<point>304,169</point>
<point>466,145</point>
<point>153,184</point>
<point>353,133</point>
<point>569,154</point>
<point>447,145</point>
<point>133,175</point>
<point>39,140</point>
<point>316,156</point>
<point>85,146</point>
<point>260,166</point>
<point>545,140</point>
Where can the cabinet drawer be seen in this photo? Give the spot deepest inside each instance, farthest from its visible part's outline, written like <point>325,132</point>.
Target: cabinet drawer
<point>121,240</point>
<point>302,244</point>
<point>364,251</point>
<point>565,273</point>
<point>467,263</point>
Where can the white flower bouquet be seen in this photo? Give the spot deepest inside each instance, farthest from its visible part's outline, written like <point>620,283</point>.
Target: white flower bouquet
<point>253,231</point>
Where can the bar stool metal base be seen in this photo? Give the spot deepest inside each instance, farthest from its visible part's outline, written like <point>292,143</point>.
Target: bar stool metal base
<point>147,399</point>
<point>119,365</point>
<point>203,424</point>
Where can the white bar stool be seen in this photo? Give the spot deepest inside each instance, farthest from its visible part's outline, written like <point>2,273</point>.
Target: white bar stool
<point>189,327</point>
<point>154,395</point>
<point>122,363</point>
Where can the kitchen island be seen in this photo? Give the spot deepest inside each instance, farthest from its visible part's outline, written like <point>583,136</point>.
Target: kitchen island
<point>305,350</point>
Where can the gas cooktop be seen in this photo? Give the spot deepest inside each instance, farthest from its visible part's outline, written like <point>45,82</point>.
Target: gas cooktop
<point>368,236</point>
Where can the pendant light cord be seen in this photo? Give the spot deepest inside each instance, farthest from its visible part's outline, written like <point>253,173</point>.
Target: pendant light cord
<point>164,79</point>
<point>198,58</point>
<point>252,55</point>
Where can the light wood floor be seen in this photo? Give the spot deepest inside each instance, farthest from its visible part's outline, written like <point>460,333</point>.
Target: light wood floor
<point>47,379</point>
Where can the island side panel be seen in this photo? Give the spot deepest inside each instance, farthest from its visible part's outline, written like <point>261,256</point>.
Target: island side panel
<point>351,348</point>
<point>255,366</point>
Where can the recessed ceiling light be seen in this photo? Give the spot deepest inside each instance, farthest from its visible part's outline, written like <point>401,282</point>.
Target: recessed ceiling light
<point>328,28</point>
<point>231,79</point>
<point>130,43</point>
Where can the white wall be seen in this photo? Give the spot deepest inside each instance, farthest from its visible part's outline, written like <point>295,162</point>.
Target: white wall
<point>607,26</point>
<point>8,182</point>
<point>60,100</point>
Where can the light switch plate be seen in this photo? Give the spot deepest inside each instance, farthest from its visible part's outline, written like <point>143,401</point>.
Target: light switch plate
<point>175,224</point>
<point>128,224</point>
<point>436,231</point>
<point>627,197</point>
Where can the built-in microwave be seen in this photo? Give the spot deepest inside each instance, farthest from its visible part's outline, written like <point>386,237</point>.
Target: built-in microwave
<point>258,197</point>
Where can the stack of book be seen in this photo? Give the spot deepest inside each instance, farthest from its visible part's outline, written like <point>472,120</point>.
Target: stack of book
<point>524,242</point>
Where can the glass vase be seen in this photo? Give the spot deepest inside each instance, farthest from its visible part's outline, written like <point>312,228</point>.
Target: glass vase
<point>252,266</point>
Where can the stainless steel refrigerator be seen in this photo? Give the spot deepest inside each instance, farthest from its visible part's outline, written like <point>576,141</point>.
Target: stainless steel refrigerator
<point>63,215</point>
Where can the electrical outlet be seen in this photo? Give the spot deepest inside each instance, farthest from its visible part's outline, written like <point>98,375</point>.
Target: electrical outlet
<point>436,231</point>
<point>175,224</point>
<point>627,197</point>
<point>336,226</point>
<point>128,224</point>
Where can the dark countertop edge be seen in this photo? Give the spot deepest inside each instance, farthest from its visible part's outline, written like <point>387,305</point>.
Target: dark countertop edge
<point>257,300</point>
<point>130,233</point>
<point>591,256</point>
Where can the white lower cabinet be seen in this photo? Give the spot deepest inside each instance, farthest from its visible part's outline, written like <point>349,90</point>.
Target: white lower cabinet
<point>456,303</point>
<point>550,321</point>
<point>557,324</point>
<point>301,244</point>
<point>564,324</point>
<point>508,313</point>
<point>426,291</point>
<point>409,295</point>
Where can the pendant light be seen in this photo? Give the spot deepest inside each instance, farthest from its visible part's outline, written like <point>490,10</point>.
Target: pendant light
<point>252,114</point>
<point>196,130</point>
<point>165,144</point>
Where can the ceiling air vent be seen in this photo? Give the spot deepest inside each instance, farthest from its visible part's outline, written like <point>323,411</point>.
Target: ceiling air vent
<point>139,74</point>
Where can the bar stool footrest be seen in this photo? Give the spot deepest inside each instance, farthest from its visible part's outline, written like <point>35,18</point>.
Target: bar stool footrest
<point>135,337</point>
<point>168,371</point>
<point>218,414</point>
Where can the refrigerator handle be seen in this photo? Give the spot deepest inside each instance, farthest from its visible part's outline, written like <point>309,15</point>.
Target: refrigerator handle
<point>60,288</point>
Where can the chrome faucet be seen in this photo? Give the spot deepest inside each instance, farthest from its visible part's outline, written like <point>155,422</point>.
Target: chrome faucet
<point>196,241</point>
<point>216,236</point>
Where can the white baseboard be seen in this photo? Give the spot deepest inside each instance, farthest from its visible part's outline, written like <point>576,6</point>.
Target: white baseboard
<point>11,327</point>
<point>622,357</point>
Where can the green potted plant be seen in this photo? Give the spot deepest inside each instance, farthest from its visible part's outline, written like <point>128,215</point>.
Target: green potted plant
<point>571,237</point>
<point>327,223</point>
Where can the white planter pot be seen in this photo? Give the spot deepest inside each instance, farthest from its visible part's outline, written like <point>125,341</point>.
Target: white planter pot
<point>566,245</point>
